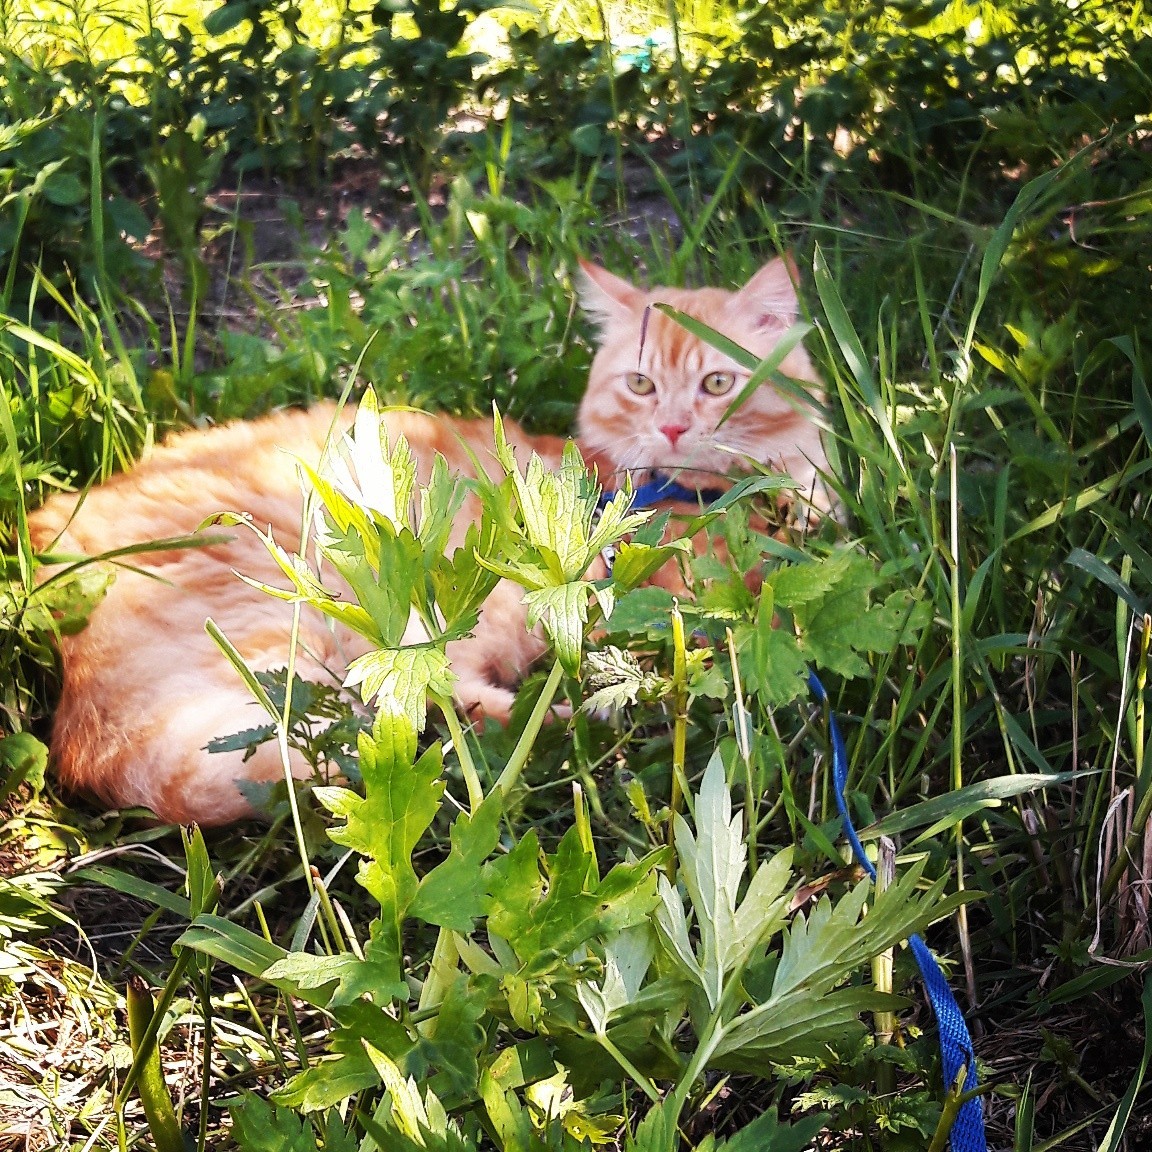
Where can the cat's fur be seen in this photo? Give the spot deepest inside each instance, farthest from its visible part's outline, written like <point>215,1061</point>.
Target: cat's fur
<point>145,688</point>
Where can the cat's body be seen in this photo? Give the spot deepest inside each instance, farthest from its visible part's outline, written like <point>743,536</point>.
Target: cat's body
<point>145,688</point>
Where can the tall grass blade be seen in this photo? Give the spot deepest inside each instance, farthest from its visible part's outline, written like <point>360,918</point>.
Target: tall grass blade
<point>1115,1134</point>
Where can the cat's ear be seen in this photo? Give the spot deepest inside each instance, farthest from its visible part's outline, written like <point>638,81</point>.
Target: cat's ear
<point>605,296</point>
<point>769,299</point>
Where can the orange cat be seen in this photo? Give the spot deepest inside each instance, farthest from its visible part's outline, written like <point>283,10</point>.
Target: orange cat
<point>145,688</point>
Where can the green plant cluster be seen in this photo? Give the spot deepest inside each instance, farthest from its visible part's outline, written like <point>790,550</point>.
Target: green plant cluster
<point>558,995</point>
<point>923,91</point>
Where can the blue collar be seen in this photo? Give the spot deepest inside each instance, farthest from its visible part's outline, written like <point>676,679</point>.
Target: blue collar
<point>664,489</point>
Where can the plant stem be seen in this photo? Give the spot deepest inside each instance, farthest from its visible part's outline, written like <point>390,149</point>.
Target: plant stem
<point>463,753</point>
<point>680,715</point>
<point>1144,806</point>
<point>442,970</point>
<point>884,1023</point>
<point>524,745</point>
<point>958,719</point>
<point>154,1094</point>
<point>646,1086</point>
<point>741,725</point>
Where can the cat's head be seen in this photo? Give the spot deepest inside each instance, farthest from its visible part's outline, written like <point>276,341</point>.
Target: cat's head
<point>656,393</point>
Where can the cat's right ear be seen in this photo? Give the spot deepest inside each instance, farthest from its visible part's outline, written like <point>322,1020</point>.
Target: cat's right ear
<point>605,296</point>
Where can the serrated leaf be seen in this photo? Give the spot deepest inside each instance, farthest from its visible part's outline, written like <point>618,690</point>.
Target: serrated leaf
<point>350,1070</point>
<point>385,591</point>
<point>257,1126</point>
<point>712,867</point>
<point>643,612</point>
<point>657,1132</point>
<point>833,621</point>
<point>546,920</point>
<point>615,680</point>
<point>563,610</point>
<point>635,563</point>
<point>627,958</point>
<point>773,664</point>
<point>415,1123</point>
<point>461,583</point>
<point>373,473</point>
<point>440,503</point>
<point>400,801</point>
<point>454,1042</point>
<point>453,894</point>
<point>768,1133</point>
<point>799,1024</point>
<point>399,680</point>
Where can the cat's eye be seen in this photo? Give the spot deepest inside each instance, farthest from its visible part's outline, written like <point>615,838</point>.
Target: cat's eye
<point>640,384</point>
<point>718,383</point>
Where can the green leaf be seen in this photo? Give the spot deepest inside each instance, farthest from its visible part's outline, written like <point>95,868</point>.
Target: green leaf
<point>832,614</point>
<point>773,664</point>
<point>400,801</point>
<point>453,1043</point>
<point>657,1132</point>
<point>627,957</point>
<point>643,612</point>
<point>461,583</point>
<point>547,920</point>
<point>386,591</point>
<point>564,612</point>
<point>853,352</point>
<point>332,1081</point>
<point>227,16</point>
<point>257,1126</point>
<point>23,760</point>
<point>413,1123</point>
<point>399,680</point>
<point>954,806</point>
<point>615,679</point>
<point>135,886</point>
<point>712,868</point>
<point>65,189</point>
<point>440,503</point>
<point>635,563</point>
<point>768,1133</point>
<point>202,886</point>
<point>245,951</point>
<point>801,1023</point>
<point>453,894</point>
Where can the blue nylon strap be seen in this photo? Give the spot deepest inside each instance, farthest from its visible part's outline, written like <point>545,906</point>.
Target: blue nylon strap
<point>663,488</point>
<point>956,1050</point>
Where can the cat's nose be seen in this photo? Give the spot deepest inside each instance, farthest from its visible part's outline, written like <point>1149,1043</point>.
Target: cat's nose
<point>673,432</point>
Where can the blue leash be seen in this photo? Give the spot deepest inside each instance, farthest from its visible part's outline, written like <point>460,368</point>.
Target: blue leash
<point>956,1050</point>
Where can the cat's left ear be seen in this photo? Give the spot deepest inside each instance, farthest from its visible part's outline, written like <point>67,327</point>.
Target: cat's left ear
<point>769,299</point>
<point>606,297</point>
